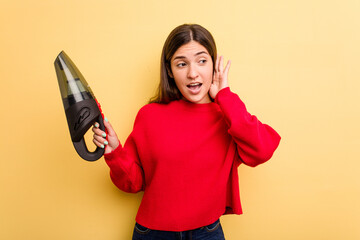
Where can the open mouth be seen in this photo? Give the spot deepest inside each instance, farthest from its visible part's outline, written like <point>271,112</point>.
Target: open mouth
<point>194,86</point>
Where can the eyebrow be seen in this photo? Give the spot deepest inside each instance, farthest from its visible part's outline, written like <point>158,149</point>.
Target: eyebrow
<point>199,53</point>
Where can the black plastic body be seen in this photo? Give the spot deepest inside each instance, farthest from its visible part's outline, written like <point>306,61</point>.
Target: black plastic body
<point>80,117</point>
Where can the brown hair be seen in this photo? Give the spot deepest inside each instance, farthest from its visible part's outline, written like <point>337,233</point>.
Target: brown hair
<point>167,90</point>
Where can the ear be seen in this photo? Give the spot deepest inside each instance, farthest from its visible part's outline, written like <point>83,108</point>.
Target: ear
<point>168,69</point>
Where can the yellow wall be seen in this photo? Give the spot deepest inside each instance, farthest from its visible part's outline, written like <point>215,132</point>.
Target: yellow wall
<point>294,63</point>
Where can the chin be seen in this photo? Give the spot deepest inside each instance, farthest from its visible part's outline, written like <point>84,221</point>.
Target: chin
<point>198,99</point>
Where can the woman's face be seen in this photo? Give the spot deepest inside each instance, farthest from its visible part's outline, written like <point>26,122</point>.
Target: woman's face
<point>192,69</point>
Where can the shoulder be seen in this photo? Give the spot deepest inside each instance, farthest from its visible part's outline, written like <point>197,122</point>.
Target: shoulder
<point>152,110</point>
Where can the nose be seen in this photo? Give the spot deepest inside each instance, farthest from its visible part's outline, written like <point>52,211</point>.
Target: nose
<point>192,72</point>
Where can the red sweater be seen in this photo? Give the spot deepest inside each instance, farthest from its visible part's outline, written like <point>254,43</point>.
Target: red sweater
<point>184,157</point>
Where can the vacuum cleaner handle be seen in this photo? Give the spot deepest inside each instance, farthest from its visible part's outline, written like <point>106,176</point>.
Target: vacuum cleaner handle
<point>82,149</point>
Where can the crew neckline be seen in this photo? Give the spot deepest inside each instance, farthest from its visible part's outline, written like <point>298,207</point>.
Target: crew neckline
<point>211,106</point>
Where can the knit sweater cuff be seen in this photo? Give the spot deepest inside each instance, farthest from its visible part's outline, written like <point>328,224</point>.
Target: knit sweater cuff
<point>230,103</point>
<point>220,93</point>
<point>111,155</point>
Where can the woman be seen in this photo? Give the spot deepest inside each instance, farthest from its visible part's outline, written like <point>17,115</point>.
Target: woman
<point>187,143</point>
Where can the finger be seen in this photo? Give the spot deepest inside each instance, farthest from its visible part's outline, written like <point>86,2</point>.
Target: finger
<point>97,143</point>
<point>109,127</point>
<point>100,139</point>
<point>217,64</point>
<point>98,131</point>
<point>227,67</point>
<point>221,64</point>
<point>215,79</point>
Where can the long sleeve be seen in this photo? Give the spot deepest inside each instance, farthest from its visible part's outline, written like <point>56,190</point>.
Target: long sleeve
<point>256,142</point>
<point>125,168</point>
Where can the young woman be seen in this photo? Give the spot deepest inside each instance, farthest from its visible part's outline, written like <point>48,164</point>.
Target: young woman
<point>187,143</point>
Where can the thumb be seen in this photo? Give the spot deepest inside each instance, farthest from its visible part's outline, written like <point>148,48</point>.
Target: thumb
<point>109,128</point>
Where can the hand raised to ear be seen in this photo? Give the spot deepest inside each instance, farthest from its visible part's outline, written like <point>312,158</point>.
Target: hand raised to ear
<point>220,77</point>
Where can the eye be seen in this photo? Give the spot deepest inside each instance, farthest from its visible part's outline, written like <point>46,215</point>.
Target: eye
<point>182,64</point>
<point>203,61</point>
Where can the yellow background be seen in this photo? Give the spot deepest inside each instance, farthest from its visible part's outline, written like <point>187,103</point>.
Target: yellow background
<point>294,63</point>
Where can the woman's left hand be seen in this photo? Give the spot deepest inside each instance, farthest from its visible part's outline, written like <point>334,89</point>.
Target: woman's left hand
<point>220,77</point>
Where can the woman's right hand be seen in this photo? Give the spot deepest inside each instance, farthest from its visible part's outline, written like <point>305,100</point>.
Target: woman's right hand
<point>110,140</point>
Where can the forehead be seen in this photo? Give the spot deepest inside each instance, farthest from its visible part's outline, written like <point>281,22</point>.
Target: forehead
<point>190,49</point>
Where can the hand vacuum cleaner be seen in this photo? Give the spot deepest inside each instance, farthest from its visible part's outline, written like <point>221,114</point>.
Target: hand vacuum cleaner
<point>81,107</point>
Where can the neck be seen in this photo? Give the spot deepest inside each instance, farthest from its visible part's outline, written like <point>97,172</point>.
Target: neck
<point>205,100</point>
